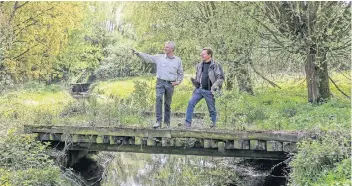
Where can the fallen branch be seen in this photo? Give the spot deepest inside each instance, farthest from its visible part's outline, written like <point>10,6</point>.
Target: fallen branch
<point>333,82</point>
<point>259,74</point>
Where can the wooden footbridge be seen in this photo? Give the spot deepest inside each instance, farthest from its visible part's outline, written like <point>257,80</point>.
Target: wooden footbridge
<point>256,145</point>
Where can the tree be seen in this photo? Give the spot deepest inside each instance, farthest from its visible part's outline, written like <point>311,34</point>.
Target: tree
<point>35,33</point>
<point>194,25</point>
<point>313,30</point>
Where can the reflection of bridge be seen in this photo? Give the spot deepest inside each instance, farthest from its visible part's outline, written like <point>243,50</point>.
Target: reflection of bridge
<point>256,145</point>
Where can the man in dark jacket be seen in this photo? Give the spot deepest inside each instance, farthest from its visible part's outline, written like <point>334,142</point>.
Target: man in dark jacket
<point>208,80</point>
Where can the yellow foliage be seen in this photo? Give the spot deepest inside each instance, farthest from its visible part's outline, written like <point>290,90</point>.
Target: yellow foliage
<point>38,32</point>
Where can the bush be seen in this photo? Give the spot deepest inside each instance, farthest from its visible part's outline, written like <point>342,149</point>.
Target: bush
<point>323,159</point>
<point>24,161</point>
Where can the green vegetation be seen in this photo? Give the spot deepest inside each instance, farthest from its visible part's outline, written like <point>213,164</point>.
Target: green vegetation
<point>324,161</point>
<point>24,161</point>
<point>302,47</point>
<point>270,109</point>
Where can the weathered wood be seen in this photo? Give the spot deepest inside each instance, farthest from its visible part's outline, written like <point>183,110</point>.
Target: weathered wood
<point>221,146</point>
<point>66,137</point>
<point>214,144</point>
<point>99,139</point>
<point>257,145</point>
<point>179,142</point>
<point>182,151</point>
<point>55,137</point>
<point>130,141</point>
<point>245,144</point>
<point>273,146</point>
<point>137,140</point>
<point>229,144</point>
<point>175,133</point>
<point>151,142</point>
<point>206,142</point>
<point>241,144</point>
<point>289,147</point>
<point>238,144</point>
<point>196,115</point>
<point>83,138</point>
<point>167,142</point>
<point>43,137</point>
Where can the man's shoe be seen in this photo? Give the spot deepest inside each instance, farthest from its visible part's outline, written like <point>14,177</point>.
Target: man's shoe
<point>167,125</point>
<point>187,125</point>
<point>212,126</point>
<point>157,125</point>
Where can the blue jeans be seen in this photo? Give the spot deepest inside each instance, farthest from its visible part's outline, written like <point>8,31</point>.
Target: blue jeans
<point>198,94</point>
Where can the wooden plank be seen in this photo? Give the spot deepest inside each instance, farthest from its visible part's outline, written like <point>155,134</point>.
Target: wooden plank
<point>275,155</point>
<point>197,115</point>
<point>175,133</point>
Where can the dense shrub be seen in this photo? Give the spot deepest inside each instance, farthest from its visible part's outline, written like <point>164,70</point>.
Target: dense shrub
<point>323,161</point>
<point>24,161</point>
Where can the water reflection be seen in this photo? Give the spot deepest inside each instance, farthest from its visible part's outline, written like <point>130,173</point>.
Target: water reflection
<point>133,169</point>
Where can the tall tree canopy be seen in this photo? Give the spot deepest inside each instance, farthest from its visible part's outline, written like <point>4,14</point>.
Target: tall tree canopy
<point>312,29</point>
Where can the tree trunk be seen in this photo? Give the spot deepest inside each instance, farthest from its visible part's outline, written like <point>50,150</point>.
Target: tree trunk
<point>229,81</point>
<point>242,76</point>
<point>317,76</point>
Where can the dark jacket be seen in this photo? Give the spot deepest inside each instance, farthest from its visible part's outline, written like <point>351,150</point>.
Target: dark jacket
<point>216,75</point>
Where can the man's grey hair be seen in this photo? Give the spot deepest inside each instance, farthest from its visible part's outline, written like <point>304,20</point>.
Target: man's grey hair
<point>171,44</point>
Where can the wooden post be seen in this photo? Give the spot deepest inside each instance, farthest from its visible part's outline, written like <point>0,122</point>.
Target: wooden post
<point>257,145</point>
<point>151,142</point>
<point>137,140</point>
<point>273,146</point>
<point>99,139</point>
<point>207,144</point>
<point>221,146</point>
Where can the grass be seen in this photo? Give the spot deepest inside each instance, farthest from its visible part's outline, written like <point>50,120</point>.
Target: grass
<point>121,87</point>
<point>125,98</point>
<point>270,108</point>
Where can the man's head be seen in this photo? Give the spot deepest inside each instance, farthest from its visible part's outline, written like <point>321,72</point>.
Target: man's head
<point>169,48</point>
<point>206,54</point>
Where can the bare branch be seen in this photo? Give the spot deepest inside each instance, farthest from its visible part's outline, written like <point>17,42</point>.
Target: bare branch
<point>333,82</point>
<point>262,76</point>
<point>15,8</point>
<point>22,4</point>
<point>25,52</point>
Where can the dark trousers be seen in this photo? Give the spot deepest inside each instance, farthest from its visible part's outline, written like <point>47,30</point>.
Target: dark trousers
<point>166,90</point>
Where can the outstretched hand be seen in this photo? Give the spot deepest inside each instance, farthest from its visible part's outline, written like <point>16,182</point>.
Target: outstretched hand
<point>134,51</point>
